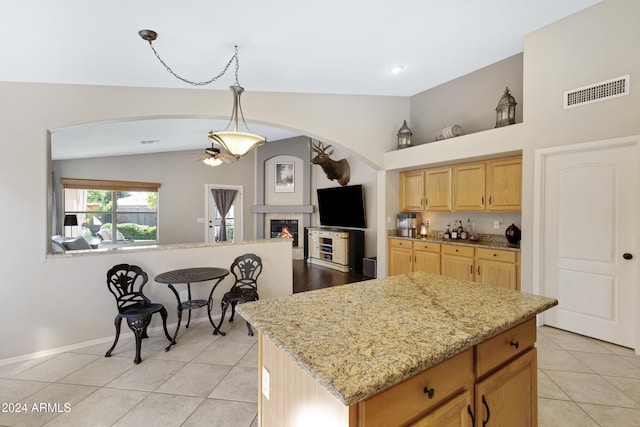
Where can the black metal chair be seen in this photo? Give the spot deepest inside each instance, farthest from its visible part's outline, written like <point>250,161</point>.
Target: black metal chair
<point>246,269</point>
<point>126,283</point>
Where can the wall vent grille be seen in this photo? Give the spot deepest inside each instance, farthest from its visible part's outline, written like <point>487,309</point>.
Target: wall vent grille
<point>608,89</point>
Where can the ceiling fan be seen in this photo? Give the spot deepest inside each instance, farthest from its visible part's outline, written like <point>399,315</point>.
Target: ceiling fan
<point>214,157</point>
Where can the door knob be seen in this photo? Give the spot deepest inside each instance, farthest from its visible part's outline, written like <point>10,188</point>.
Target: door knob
<point>627,255</point>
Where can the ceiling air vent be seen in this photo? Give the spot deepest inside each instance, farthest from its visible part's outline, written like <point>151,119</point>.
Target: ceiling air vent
<point>608,89</point>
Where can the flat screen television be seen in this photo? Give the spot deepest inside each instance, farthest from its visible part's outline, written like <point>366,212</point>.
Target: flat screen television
<point>342,206</point>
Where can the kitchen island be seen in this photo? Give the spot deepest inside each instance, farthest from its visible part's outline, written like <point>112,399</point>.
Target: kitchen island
<point>413,348</point>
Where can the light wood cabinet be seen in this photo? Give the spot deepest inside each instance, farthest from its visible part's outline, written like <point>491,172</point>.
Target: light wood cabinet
<point>495,267</point>
<point>493,383</point>
<point>469,187</point>
<point>504,185</point>
<point>400,256</point>
<point>508,395</point>
<point>339,249</point>
<point>406,256</point>
<point>419,394</point>
<point>457,262</point>
<point>493,186</point>
<point>412,191</point>
<point>455,413</point>
<point>437,187</point>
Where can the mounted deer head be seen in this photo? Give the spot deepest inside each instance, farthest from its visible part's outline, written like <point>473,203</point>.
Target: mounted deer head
<point>338,170</point>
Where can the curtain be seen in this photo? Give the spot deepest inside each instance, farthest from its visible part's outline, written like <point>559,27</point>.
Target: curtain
<point>224,200</point>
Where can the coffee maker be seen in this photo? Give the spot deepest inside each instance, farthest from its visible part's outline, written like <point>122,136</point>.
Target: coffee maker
<point>408,224</point>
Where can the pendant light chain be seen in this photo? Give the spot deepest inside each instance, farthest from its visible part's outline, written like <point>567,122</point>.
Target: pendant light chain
<point>203,83</point>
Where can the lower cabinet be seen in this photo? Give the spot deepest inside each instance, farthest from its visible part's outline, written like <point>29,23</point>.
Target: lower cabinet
<point>406,256</point>
<point>509,397</point>
<point>455,413</point>
<point>457,262</point>
<point>491,384</point>
<point>482,265</point>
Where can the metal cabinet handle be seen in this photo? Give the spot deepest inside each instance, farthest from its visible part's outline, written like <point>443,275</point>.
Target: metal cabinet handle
<point>471,269</point>
<point>515,344</point>
<point>627,255</point>
<point>430,392</point>
<point>486,406</point>
<point>490,200</point>
<point>478,270</point>
<point>473,419</point>
<point>482,201</point>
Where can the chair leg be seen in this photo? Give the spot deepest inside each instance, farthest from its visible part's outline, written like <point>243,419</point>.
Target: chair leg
<point>233,310</point>
<point>224,304</point>
<point>250,330</point>
<point>139,326</point>
<point>117,322</point>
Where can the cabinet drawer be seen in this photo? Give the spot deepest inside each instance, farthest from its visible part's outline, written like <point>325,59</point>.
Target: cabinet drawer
<point>497,350</point>
<point>496,255</point>
<point>427,246</point>
<point>405,401</point>
<point>400,243</point>
<point>458,250</point>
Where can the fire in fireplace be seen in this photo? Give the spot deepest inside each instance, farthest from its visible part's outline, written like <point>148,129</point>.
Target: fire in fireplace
<point>280,228</point>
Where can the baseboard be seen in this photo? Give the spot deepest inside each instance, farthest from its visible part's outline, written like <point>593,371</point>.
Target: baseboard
<point>171,327</point>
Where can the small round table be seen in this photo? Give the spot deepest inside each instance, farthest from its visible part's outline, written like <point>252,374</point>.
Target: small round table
<point>189,276</point>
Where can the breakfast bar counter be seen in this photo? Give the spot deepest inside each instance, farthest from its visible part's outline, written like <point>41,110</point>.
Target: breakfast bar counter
<point>360,340</point>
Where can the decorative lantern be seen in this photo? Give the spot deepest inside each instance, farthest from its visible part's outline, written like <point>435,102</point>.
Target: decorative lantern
<point>404,136</point>
<point>506,110</point>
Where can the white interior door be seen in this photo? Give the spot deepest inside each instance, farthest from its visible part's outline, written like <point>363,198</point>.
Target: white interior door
<point>589,228</point>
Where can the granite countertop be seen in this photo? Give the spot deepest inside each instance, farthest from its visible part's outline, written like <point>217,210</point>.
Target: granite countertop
<point>483,242</point>
<point>361,338</point>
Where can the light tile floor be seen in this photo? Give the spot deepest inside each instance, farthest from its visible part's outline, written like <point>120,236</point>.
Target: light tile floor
<point>209,380</point>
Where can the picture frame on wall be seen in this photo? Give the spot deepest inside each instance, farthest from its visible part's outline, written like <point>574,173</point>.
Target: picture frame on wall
<point>285,177</point>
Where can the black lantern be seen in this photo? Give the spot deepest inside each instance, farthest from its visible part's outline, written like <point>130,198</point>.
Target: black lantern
<point>506,110</point>
<point>404,136</point>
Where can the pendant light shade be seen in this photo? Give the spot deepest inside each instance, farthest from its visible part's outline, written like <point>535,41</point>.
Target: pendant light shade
<point>234,142</point>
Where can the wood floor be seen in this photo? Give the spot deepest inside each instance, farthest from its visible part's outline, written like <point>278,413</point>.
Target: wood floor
<point>307,277</point>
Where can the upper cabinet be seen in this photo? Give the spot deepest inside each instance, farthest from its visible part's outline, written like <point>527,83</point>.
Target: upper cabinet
<point>469,187</point>
<point>412,191</point>
<point>494,185</point>
<point>437,185</point>
<point>504,184</point>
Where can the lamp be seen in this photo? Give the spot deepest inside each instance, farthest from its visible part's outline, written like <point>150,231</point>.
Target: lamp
<point>236,143</point>
<point>404,136</point>
<point>506,110</point>
<point>70,221</point>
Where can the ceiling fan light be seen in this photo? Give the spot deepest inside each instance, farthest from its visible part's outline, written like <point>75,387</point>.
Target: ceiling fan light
<point>236,143</point>
<point>210,161</point>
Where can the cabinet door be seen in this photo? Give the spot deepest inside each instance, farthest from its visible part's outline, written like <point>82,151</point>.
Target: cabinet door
<point>502,274</point>
<point>454,413</point>
<point>399,260</point>
<point>509,397</point>
<point>469,187</point>
<point>314,244</point>
<point>504,184</point>
<point>437,184</point>
<point>460,268</point>
<point>426,261</point>
<point>411,191</point>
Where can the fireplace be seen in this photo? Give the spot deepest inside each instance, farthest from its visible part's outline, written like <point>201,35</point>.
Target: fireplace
<point>284,228</point>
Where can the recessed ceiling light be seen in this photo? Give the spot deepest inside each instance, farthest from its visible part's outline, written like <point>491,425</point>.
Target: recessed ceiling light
<point>397,70</point>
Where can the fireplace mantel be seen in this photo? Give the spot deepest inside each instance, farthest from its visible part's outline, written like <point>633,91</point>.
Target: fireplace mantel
<point>298,209</point>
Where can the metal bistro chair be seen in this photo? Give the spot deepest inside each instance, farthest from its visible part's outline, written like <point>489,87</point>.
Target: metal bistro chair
<point>126,282</point>
<point>246,269</point>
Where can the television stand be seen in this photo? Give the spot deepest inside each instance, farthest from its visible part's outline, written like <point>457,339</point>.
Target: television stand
<point>336,248</point>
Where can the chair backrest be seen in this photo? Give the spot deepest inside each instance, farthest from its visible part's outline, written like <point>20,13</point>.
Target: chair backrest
<point>125,282</point>
<point>246,269</point>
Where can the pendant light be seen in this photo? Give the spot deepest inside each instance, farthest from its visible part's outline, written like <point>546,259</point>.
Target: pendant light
<point>235,142</point>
